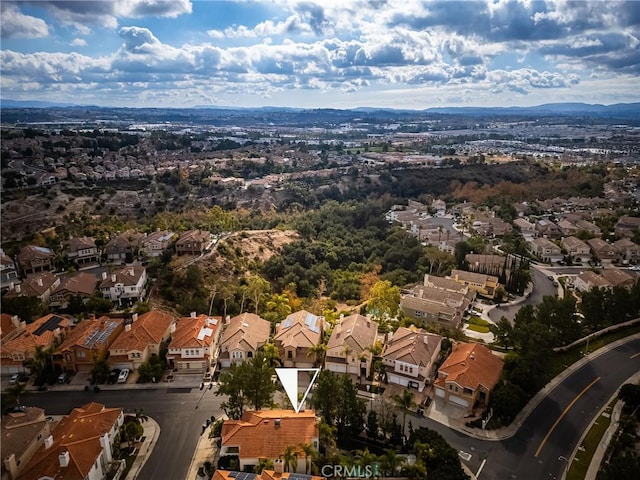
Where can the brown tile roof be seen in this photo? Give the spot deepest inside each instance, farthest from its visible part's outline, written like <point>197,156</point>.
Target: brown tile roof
<point>412,345</point>
<point>574,242</point>
<point>471,365</point>
<point>444,283</point>
<point>594,279</point>
<point>34,252</point>
<point>79,434</point>
<point>20,429</point>
<point>199,236</point>
<point>41,332</point>
<point>355,330</point>
<point>472,276</point>
<point>128,276</point>
<point>80,243</point>
<point>258,436</point>
<point>195,332</point>
<point>247,329</point>
<point>124,241</point>
<point>5,260</point>
<point>81,283</point>
<point>301,329</point>
<point>481,259</point>
<point>149,328</point>
<point>616,277</point>
<point>34,285</point>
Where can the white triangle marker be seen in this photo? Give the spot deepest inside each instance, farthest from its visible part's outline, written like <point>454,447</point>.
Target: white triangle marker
<point>289,380</point>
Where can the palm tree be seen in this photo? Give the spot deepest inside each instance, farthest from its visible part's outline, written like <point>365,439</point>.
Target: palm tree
<point>140,415</point>
<point>390,462</point>
<point>310,454</point>
<point>279,304</point>
<point>271,354</point>
<point>318,350</point>
<point>405,403</point>
<point>264,464</point>
<point>290,458</point>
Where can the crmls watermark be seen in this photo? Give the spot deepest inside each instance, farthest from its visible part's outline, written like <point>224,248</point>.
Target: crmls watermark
<point>354,471</point>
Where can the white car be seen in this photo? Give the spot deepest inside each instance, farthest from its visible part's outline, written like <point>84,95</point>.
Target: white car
<point>124,374</point>
<point>14,378</point>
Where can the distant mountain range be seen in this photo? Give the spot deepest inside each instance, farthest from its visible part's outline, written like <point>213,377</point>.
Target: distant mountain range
<point>549,108</point>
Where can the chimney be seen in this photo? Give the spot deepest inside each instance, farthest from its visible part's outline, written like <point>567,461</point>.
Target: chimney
<point>48,442</point>
<point>127,327</point>
<point>18,288</point>
<point>278,466</point>
<point>39,281</point>
<point>132,272</point>
<point>193,315</point>
<point>113,277</point>
<point>11,465</point>
<point>106,447</point>
<point>425,339</point>
<point>64,459</point>
<point>104,275</point>
<point>172,328</point>
<point>11,286</point>
<point>134,317</point>
<point>15,321</point>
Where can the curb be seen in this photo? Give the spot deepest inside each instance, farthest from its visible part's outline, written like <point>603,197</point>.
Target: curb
<point>140,461</point>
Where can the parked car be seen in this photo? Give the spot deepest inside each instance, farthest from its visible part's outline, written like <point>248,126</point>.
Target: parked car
<point>14,378</point>
<point>113,376</point>
<point>207,376</point>
<point>64,377</point>
<point>124,374</point>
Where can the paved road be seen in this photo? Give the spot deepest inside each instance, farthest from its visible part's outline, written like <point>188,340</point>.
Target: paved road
<point>173,408</point>
<point>542,286</point>
<point>549,434</point>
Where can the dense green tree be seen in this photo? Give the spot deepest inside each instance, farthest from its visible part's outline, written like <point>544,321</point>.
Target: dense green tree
<point>507,400</point>
<point>503,332</point>
<point>440,459</point>
<point>100,370</point>
<point>384,300</point>
<point>629,393</point>
<point>373,428</point>
<point>406,403</point>
<point>153,368</point>
<point>27,308</point>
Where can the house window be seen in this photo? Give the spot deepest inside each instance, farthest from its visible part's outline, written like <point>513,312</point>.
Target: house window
<point>249,354</point>
<point>289,354</point>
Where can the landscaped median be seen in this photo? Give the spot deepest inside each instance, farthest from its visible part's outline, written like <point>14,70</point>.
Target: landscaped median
<point>479,325</point>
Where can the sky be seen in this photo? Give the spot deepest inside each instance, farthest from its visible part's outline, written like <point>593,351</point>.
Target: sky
<point>406,54</point>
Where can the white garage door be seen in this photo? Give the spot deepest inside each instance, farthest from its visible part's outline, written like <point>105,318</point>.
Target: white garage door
<point>459,401</point>
<point>439,392</point>
<point>337,368</point>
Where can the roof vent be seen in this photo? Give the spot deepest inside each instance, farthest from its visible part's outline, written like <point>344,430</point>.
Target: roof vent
<point>64,459</point>
<point>48,442</point>
<point>276,422</point>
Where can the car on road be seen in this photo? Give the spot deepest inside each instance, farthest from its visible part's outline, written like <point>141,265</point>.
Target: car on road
<point>14,378</point>
<point>124,374</point>
<point>550,277</point>
<point>113,376</point>
<point>64,377</point>
<point>207,376</point>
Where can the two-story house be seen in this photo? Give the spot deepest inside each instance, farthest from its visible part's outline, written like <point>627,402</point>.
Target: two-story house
<point>8,271</point>
<point>603,251</point>
<point>142,337</point>
<point>468,376</point>
<point>627,226</point>
<point>21,434</point>
<point>629,251</point>
<point>40,285</point>
<point>126,286</point>
<point>193,242</point>
<point>81,285</point>
<point>79,447</point>
<point>266,434</point>
<point>34,259</point>
<point>545,250</point>
<point>439,301</point>
<point>82,251</point>
<point>527,229</point>
<point>123,248</point>
<point>350,344</point>
<point>89,339</point>
<point>242,338</point>
<point>194,343</point>
<point>585,281</point>
<point>295,338</point>
<point>42,333</point>
<point>547,229</point>
<point>576,249</point>
<point>410,355</point>
<point>483,284</point>
<point>10,327</point>
<point>155,243</point>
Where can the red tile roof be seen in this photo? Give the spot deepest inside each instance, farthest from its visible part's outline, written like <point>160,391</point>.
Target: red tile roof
<point>471,365</point>
<point>149,328</point>
<point>192,332</point>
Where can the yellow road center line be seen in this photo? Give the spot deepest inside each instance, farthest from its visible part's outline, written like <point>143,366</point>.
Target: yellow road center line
<point>634,356</point>
<point>564,412</point>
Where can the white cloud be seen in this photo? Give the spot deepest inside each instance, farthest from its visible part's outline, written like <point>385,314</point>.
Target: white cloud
<point>78,42</point>
<point>15,24</point>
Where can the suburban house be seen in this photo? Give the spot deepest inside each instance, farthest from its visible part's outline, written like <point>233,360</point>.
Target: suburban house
<point>527,228</point>
<point>155,243</point>
<point>410,355</point>
<point>82,251</point>
<point>142,337</point>
<point>277,474</point>
<point>617,277</point>
<point>194,343</point>
<point>627,226</point>
<point>22,433</point>
<point>436,305</point>
<point>126,286</point>
<point>193,242</point>
<point>576,249</point>
<point>585,281</point>
<point>79,447</point>
<point>587,226</point>
<point>603,251</point>
<point>468,375</point>
<point>242,338</point>
<point>8,271</point>
<point>349,347</point>
<point>491,227</point>
<point>629,251</point>
<point>545,250</point>
<point>80,285</point>
<point>123,248</point>
<point>34,259</point>
<point>482,263</point>
<point>88,340</point>
<point>10,327</point>
<point>40,285</point>
<point>547,229</point>
<point>43,333</point>
<point>295,338</point>
<point>267,434</point>
<point>567,228</point>
<point>484,285</point>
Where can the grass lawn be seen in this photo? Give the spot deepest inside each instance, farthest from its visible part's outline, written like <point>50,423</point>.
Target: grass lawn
<point>578,468</point>
<point>478,328</point>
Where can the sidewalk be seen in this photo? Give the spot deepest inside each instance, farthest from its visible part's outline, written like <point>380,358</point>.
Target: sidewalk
<point>205,450</point>
<point>151,434</point>
<point>436,412</point>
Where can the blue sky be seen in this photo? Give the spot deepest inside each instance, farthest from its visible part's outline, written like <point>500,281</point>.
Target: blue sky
<point>334,54</point>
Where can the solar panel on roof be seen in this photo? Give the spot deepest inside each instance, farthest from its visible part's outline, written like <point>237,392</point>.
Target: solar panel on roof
<point>43,250</point>
<point>311,323</point>
<point>287,322</point>
<point>49,326</point>
<point>233,474</point>
<point>299,476</point>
